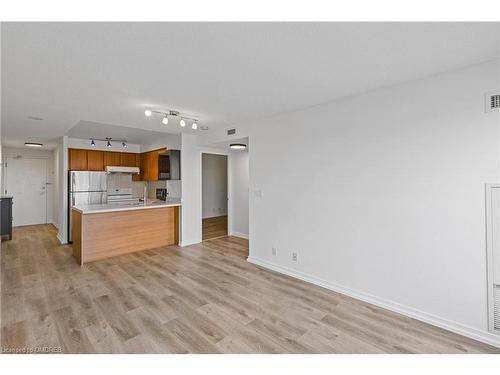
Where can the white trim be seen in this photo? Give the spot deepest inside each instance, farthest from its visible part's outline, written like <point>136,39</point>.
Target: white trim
<point>489,254</point>
<point>62,242</point>
<point>188,243</point>
<point>238,234</point>
<point>411,312</point>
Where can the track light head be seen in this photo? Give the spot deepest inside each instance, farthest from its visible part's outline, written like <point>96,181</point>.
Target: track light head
<point>194,126</point>
<point>92,143</point>
<point>124,145</point>
<point>182,122</point>
<point>148,112</point>
<point>164,121</point>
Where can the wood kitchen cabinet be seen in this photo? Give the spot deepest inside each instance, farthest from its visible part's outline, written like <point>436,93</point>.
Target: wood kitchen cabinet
<point>95,160</point>
<point>149,164</point>
<point>77,160</point>
<point>112,158</point>
<point>127,159</point>
<point>138,177</point>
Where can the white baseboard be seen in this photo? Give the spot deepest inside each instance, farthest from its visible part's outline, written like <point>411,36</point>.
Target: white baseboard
<point>238,234</point>
<point>461,329</point>
<point>187,243</point>
<point>61,240</point>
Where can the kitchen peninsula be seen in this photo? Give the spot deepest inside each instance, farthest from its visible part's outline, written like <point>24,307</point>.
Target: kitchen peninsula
<point>106,230</point>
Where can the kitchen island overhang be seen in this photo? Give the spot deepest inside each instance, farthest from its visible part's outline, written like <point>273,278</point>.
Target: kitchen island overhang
<point>104,231</point>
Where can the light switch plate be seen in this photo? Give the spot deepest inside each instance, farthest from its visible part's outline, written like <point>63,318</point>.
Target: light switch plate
<point>257,193</point>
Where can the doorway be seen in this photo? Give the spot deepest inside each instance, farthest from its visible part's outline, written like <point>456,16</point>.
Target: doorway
<point>26,182</point>
<point>214,186</point>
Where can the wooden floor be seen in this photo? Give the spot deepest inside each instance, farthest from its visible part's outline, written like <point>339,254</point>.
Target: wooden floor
<point>200,299</point>
<point>214,227</point>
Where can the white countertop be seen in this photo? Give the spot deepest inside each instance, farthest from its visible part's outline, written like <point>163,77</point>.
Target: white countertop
<point>151,203</point>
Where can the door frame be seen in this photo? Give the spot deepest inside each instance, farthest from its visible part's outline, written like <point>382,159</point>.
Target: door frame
<point>489,254</point>
<point>229,186</point>
<point>11,155</point>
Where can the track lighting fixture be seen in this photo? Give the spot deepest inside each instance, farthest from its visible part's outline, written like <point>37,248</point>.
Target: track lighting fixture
<point>107,142</point>
<point>171,113</point>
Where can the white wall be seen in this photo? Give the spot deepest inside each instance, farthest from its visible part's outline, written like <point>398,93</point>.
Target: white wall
<point>214,185</point>
<point>239,175</point>
<point>62,196</point>
<point>383,196</point>
<point>48,155</point>
<point>191,190</point>
<point>170,141</point>
<point>101,145</point>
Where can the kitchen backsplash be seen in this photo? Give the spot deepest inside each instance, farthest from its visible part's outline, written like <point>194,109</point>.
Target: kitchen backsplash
<point>173,188</point>
<point>123,180</point>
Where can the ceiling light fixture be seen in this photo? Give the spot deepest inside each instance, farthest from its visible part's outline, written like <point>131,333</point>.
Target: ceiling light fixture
<point>172,113</point>
<point>238,146</point>
<point>33,144</point>
<point>107,141</point>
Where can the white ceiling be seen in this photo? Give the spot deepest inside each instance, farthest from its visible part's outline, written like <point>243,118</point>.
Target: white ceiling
<point>96,130</point>
<point>224,73</point>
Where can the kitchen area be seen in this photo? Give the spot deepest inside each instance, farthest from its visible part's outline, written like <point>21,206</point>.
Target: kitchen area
<point>122,202</point>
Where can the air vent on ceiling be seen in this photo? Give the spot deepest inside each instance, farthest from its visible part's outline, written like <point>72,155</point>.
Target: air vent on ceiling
<point>231,131</point>
<point>492,100</point>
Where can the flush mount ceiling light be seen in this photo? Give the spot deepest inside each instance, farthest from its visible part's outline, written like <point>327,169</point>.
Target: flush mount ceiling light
<point>33,144</point>
<point>172,114</point>
<point>107,142</point>
<point>35,118</point>
<point>238,146</point>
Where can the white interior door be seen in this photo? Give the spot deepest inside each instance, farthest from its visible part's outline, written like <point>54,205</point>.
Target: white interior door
<point>25,180</point>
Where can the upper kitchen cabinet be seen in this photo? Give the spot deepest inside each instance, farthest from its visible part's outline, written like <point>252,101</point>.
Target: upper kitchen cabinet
<point>95,160</point>
<point>127,159</point>
<point>149,164</point>
<point>77,160</point>
<point>112,158</point>
<point>138,177</point>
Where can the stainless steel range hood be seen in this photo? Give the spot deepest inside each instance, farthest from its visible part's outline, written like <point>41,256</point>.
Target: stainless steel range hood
<point>113,169</point>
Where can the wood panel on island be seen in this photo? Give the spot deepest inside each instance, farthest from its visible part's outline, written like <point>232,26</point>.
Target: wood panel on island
<point>95,160</point>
